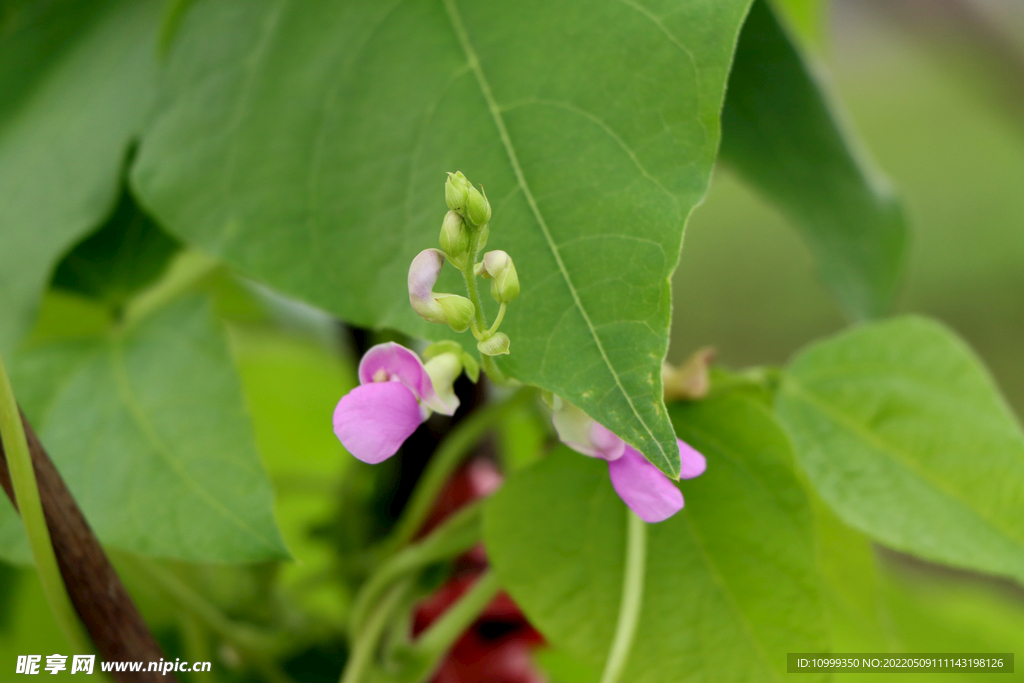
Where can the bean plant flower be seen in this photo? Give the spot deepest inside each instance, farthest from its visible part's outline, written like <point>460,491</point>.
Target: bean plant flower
<point>396,393</point>
<point>642,486</point>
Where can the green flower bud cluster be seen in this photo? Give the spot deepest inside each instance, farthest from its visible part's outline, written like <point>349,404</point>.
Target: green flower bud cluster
<point>464,233</point>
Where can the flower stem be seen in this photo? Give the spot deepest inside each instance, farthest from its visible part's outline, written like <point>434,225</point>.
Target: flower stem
<point>443,633</point>
<point>30,506</point>
<point>632,598</point>
<point>497,321</point>
<point>467,274</point>
<point>457,534</point>
<point>361,657</point>
<point>448,457</point>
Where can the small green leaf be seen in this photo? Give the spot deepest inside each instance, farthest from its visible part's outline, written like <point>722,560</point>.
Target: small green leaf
<point>76,80</point>
<point>308,145</point>
<point>779,133</point>
<point>731,580</point>
<point>906,437</point>
<point>148,430</point>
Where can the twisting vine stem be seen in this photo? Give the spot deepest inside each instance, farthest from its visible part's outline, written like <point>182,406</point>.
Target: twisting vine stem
<point>30,506</point>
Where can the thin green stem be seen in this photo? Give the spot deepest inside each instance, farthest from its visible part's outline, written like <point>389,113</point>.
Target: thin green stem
<point>442,634</point>
<point>470,278</point>
<point>448,457</point>
<point>457,534</point>
<point>494,373</point>
<point>30,506</point>
<point>632,598</point>
<point>361,657</point>
<point>497,321</point>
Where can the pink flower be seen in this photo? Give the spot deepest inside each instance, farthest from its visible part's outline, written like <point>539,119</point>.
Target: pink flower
<point>642,486</point>
<point>396,393</point>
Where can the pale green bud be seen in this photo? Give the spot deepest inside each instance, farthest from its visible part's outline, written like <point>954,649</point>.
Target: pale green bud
<point>454,237</point>
<point>498,266</point>
<point>458,310</point>
<point>441,348</point>
<point>494,346</point>
<point>484,234</point>
<point>478,209</point>
<point>443,370</point>
<point>438,348</point>
<point>456,192</point>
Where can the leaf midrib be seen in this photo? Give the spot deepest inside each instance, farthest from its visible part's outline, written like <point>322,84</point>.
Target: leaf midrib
<point>455,19</point>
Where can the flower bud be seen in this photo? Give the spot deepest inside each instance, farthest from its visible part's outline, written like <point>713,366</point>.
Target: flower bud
<point>498,266</point>
<point>458,310</point>
<point>469,363</point>
<point>691,380</point>
<point>494,346</point>
<point>456,192</point>
<point>478,209</point>
<point>443,370</point>
<point>454,237</point>
<point>423,272</point>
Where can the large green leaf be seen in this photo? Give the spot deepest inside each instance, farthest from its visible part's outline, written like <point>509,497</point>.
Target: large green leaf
<point>906,437</point>
<point>306,143</point>
<point>76,80</point>
<point>779,133</point>
<point>149,431</point>
<point>731,581</point>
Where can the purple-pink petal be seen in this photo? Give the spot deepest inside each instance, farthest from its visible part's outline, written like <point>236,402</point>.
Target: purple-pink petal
<point>692,463</point>
<point>605,442</point>
<point>390,361</point>
<point>649,493</point>
<point>374,420</point>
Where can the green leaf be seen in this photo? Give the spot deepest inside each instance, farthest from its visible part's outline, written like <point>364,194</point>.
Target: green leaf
<point>308,145</point>
<point>730,581</point>
<point>125,255</point>
<point>148,429</point>
<point>779,133</point>
<point>906,437</point>
<point>76,82</point>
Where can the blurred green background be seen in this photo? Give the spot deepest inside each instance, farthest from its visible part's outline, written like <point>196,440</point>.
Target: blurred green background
<point>955,154</point>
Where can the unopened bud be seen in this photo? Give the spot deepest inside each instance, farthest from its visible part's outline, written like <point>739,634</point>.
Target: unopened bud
<point>458,310</point>
<point>443,369</point>
<point>691,380</point>
<point>478,209</point>
<point>469,363</point>
<point>423,272</point>
<point>498,266</point>
<point>454,237</point>
<point>456,192</point>
<point>496,345</point>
